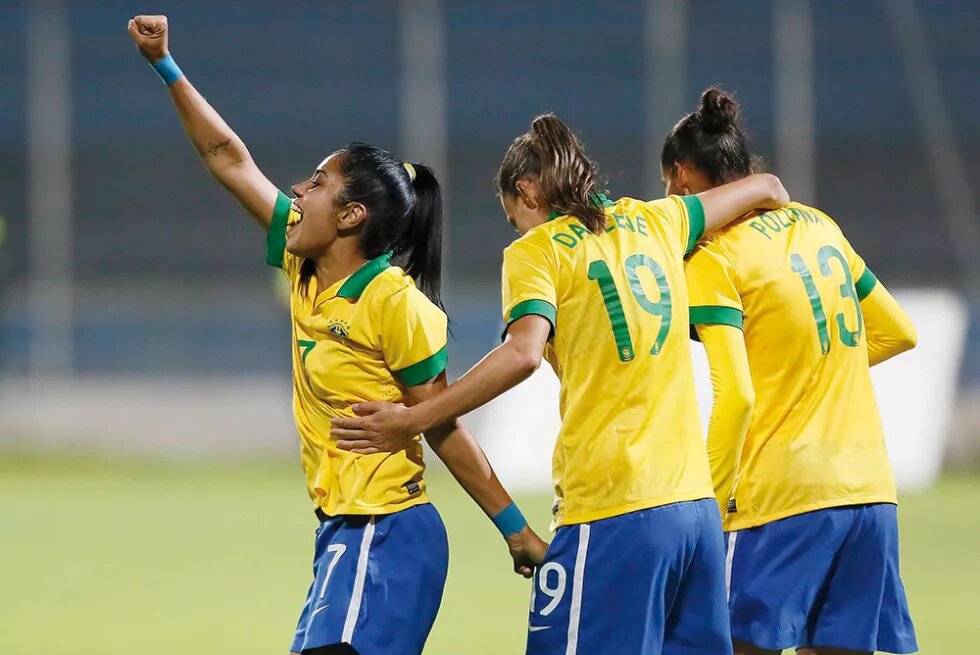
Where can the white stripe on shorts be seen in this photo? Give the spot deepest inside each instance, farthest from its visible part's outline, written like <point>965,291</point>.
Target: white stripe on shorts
<point>575,611</point>
<point>729,557</point>
<point>358,593</point>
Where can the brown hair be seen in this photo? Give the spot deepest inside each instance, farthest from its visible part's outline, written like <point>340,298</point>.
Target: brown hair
<point>552,154</point>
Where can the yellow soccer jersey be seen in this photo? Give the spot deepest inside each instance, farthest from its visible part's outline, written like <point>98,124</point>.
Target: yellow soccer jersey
<point>791,281</point>
<point>367,337</point>
<point>630,437</point>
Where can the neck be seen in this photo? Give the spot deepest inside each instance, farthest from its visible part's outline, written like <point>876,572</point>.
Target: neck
<point>342,259</point>
<point>540,218</point>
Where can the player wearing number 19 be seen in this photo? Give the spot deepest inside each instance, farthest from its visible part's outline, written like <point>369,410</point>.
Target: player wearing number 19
<point>597,287</point>
<point>362,330</point>
<point>791,317</point>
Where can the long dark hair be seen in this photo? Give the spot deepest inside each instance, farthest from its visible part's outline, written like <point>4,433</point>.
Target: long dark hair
<point>552,154</point>
<point>711,140</point>
<point>404,215</point>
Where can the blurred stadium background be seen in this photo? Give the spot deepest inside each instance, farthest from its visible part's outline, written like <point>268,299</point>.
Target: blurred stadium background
<point>149,485</point>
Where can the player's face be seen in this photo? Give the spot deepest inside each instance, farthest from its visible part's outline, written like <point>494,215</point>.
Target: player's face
<point>320,218</point>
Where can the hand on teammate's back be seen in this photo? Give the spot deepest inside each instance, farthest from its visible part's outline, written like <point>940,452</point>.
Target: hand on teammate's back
<point>379,427</point>
<point>150,35</point>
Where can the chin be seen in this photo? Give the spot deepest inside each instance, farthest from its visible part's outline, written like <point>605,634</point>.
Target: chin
<point>304,251</point>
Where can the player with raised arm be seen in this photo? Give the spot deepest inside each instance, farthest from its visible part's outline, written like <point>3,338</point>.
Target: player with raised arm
<point>596,286</point>
<point>361,331</point>
<point>791,318</point>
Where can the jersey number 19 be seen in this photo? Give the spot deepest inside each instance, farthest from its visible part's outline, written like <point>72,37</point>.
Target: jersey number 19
<point>599,271</point>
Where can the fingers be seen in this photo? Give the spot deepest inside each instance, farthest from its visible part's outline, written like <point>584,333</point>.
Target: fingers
<point>371,450</point>
<point>150,25</point>
<point>358,446</point>
<point>131,28</point>
<point>347,423</point>
<point>340,434</point>
<point>366,409</point>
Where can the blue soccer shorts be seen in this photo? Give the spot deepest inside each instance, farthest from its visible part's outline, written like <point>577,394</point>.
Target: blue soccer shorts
<point>650,582</point>
<point>826,578</point>
<point>377,582</point>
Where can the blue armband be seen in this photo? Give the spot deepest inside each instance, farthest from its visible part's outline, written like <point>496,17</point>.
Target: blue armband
<point>510,521</point>
<point>167,69</point>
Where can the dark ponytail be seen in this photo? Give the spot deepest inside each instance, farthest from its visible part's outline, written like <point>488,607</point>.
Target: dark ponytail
<point>710,139</point>
<point>423,247</point>
<point>552,155</point>
<point>404,215</point>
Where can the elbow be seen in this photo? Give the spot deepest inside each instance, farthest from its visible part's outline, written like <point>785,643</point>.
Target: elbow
<point>526,359</point>
<point>909,340</point>
<point>778,194</point>
<point>528,363</point>
<point>743,404</point>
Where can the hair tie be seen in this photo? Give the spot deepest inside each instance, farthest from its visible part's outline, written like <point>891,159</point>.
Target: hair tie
<point>411,171</point>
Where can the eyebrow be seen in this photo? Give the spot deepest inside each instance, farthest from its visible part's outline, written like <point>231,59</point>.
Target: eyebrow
<point>317,172</point>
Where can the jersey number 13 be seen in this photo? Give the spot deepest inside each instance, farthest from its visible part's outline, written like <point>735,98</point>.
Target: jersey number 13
<point>848,337</point>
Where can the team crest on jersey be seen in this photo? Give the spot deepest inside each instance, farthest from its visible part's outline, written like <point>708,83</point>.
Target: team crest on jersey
<point>339,328</point>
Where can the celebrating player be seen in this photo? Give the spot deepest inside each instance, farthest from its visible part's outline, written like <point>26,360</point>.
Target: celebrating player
<point>791,318</point>
<point>361,331</point>
<point>597,287</point>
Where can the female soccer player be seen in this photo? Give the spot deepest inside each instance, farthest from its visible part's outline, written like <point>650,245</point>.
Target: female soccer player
<point>597,287</point>
<point>361,331</point>
<point>791,318</point>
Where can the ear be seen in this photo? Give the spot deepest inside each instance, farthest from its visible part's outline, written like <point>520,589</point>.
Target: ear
<point>681,175</point>
<point>351,216</point>
<point>528,192</point>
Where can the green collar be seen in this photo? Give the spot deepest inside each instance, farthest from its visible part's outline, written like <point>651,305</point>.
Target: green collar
<point>599,199</point>
<point>357,283</point>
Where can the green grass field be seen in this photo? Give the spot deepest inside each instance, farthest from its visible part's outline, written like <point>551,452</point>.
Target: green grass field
<point>107,558</point>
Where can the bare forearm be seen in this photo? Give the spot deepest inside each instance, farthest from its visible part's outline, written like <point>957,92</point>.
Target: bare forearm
<point>464,458</point>
<point>503,368</point>
<point>725,203</point>
<point>216,143</point>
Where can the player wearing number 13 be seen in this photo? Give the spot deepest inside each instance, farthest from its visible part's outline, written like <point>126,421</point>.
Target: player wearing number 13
<point>792,316</point>
<point>597,287</point>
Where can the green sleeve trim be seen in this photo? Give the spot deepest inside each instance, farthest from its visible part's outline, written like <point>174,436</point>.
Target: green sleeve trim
<point>275,241</point>
<point>425,370</point>
<point>695,216</point>
<point>866,284</point>
<point>537,308</point>
<point>715,315</point>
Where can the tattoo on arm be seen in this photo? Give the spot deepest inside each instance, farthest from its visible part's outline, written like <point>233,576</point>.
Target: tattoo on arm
<point>214,149</point>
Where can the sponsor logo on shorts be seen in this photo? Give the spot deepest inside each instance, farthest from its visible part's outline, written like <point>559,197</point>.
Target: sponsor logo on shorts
<point>537,628</point>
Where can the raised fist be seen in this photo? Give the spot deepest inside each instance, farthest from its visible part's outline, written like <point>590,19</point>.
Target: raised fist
<point>150,35</point>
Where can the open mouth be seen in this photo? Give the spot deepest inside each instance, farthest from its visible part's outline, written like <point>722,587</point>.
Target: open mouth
<point>295,216</point>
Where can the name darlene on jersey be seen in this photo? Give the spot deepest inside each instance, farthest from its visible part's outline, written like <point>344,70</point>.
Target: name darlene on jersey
<point>791,281</point>
<point>630,436</point>
<point>365,338</point>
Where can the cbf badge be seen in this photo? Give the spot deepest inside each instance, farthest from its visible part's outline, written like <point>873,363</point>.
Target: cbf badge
<point>339,328</point>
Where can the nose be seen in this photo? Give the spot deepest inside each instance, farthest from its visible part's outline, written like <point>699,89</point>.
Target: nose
<point>297,190</point>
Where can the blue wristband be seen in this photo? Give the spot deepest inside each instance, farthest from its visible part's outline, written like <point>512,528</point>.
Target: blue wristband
<point>510,521</point>
<point>167,69</point>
